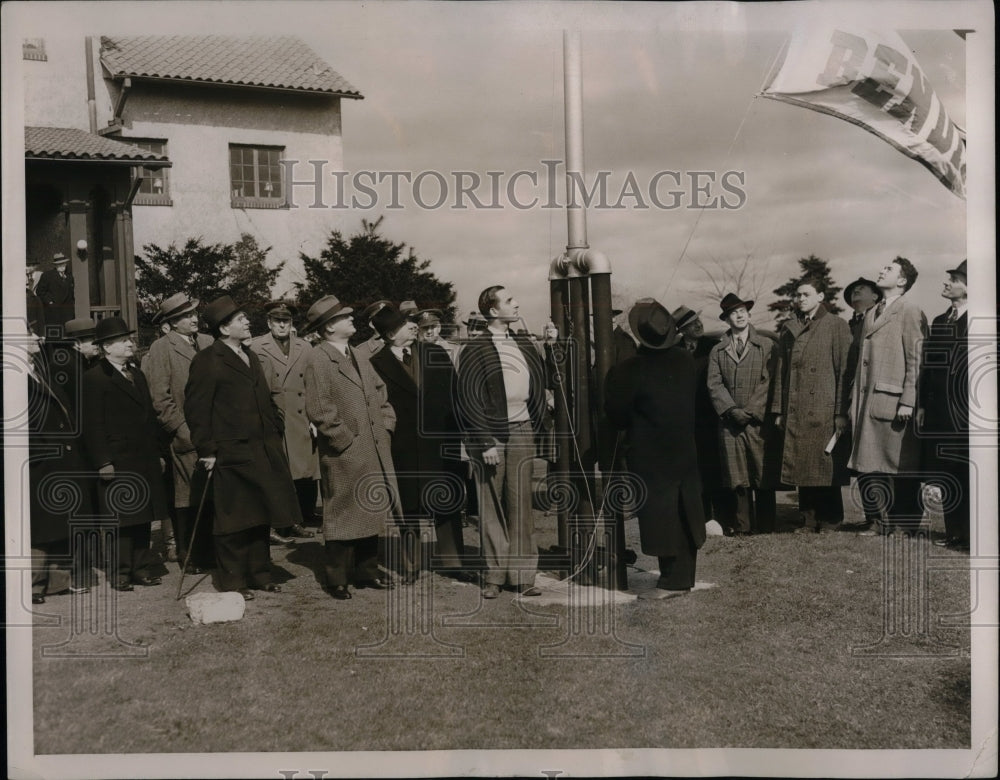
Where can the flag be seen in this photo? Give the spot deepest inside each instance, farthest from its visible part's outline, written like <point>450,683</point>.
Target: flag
<point>871,79</point>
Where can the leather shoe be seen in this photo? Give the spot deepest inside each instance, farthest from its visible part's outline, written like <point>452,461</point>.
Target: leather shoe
<point>276,538</point>
<point>123,585</point>
<point>247,594</point>
<point>147,581</point>
<point>81,589</point>
<point>466,576</point>
<point>530,590</point>
<point>192,569</point>
<point>299,532</point>
<point>491,591</point>
<point>340,592</point>
<point>374,584</point>
<point>270,587</point>
<point>37,598</point>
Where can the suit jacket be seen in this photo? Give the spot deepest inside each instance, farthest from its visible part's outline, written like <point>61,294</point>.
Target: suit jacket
<point>426,440</point>
<point>885,379</point>
<point>231,414</point>
<point>57,295</point>
<point>287,375</point>
<point>349,406</point>
<point>55,462</point>
<point>482,396</point>
<point>120,428</point>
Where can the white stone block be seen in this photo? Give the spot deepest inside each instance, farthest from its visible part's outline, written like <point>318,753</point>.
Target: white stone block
<point>215,607</point>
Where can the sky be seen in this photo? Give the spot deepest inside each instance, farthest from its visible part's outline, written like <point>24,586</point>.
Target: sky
<point>478,87</point>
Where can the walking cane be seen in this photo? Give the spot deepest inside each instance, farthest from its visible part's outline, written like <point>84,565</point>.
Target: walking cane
<point>194,530</point>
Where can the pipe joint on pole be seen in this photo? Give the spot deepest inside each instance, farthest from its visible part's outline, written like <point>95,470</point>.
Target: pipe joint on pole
<point>579,262</point>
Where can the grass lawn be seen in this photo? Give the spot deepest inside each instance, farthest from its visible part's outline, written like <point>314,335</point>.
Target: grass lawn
<point>772,656</point>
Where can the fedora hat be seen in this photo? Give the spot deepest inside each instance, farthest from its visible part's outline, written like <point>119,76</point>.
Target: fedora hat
<point>732,301</point>
<point>652,324</point>
<point>111,328</point>
<point>408,308</point>
<point>324,310</point>
<point>59,258</point>
<point>388,320</point>
<point>860,281</point>
<point>83,328</point>
<point>683,316</point>
<point>175,306</point>
<point>428,317</point>
<point>218,311</point>
<point>281,310</point>
<point>960,271</point>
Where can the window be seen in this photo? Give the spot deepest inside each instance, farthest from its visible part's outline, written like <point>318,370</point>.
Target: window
<point>154,187</point>
<point>34,49</point>
<point>255,176</point>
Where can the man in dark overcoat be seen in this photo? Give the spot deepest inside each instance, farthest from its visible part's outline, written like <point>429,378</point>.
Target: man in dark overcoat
<point>716,499</point>
<point>943,416</point>
<point>811,399</point>
<point>739,380</point>
<point>284,357</point>
<point>652,398</point>
<point>501,406</point>
<point>120,434</point>
<point>236,429</point>
<point>861,295</point>
<point>166,366</point>
<point>347,402</point>
<point>55,289</point>
<point>885,451</point>
<point>420,380</point>
<point>55,463</point>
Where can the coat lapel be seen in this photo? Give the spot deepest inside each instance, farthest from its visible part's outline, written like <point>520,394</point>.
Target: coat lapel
<point>230,359</point>
<point>343,362</point>
<point>394,371</point>
<point>890,313</point>
<point>181,345</point>
<point>129,388</point>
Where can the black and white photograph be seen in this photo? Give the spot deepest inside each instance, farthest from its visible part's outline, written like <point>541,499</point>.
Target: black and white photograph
<point>541,389</point>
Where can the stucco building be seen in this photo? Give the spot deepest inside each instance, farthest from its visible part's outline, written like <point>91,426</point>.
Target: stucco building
<point>214,115</point>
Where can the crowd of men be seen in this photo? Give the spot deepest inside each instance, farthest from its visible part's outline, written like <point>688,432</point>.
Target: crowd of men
<point>223,437</point>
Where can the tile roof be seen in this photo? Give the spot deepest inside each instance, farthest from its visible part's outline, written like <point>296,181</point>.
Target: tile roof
<point>272,62</point>
<point>68,143</point>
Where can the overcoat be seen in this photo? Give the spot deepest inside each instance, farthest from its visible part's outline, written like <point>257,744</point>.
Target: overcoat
<point>347,402</point>
<point>706,419</point>
<point>56,467</point>
<point>231,414</point>
<point>166,366</point>
<point>742,382</point>
<point>886,378</point>
<point>120,428</point>
<point>944,394</point>
<point>811,389</point>
<point>426,428</point>
<point>287,375</point>
<point>57,295</point>
<point>652,398</point>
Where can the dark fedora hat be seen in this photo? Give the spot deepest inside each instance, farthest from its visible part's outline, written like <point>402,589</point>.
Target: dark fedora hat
<point>281,310</point>
<point>175,306</point>
<point>408,308</point>
<point>111,328</point>
<point>683,316</point>
<point>218,311</point>
<point>960,271</point>
<point>59,258</point>
<point>860,281</point>
<point>324,310</point>
<point>732,301</point>
<point>652,324</point>
<point>83,328</point>
<point>388,320</point>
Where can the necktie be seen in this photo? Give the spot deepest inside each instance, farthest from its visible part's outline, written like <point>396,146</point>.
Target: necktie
<point>243,356</point>
<point>879,308</point>
<point>407,357</point>
<point>953,315</point>
<point>739,347</point>
<point>125,372</point>
<point>194,342</point>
